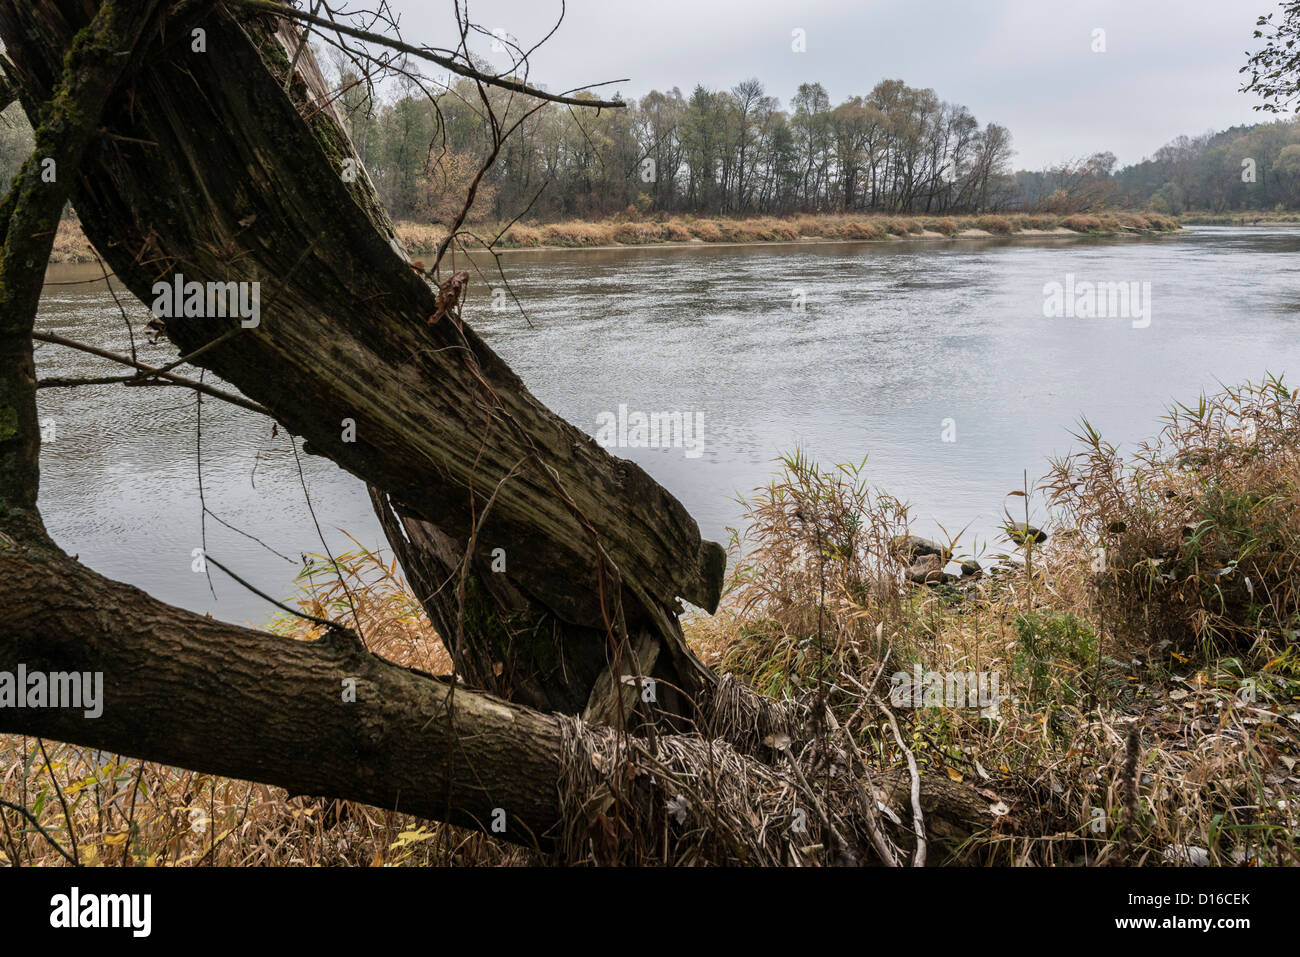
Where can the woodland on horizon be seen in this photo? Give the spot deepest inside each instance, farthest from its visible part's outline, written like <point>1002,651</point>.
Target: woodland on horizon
<point>896,149</point>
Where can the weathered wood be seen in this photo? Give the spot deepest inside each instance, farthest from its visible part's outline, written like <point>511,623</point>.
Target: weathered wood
<point>190,691</point>
<point>213,171</point>
<point>86,76</point>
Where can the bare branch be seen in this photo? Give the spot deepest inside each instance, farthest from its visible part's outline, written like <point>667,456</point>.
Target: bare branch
<point>222,394</point>
<point>268,6</point>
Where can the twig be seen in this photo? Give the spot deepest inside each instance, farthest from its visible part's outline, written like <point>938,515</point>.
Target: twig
<point>331,625</point>
<point>197,386</point>
<point>67,815</point>
<point>275,9</point>
<point>918,821</point>
<point>37,824</point>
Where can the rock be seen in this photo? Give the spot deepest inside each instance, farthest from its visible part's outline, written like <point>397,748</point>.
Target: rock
<point>971,569</point>
<point>1020,533</point>
<point>928,570</point>
<point>909,548</point>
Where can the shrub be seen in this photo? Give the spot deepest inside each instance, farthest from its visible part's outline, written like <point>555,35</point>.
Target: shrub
<point>574,234</point>
<point>742,231</point>
<point>1043,222</point>
<point>781,231</point>
<point>706,230</point>
<point>637,233</point>
<point>809,225</point>
<point>1082,224</point>
<point>861,229</point>
<point>1200,533</point>
<point>998,225</point>
<point>520,235</point>
<point>419,238</point>
<point>1159,221</point>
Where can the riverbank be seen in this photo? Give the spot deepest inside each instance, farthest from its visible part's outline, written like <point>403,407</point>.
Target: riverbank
<point>1112,686</point>
<point>422,239</point>
<point>1248,217</point>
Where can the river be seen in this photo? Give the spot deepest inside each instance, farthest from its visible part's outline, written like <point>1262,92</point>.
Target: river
<point>935,359</point>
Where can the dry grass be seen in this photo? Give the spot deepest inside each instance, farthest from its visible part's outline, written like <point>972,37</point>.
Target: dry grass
<point>1250,217</point>
<point>71,244</point>
<point>1150,712</point>
<point>1199,532</point>
<point>998,225</point>
<point>422,239</point>
<point>1203,678</point>
<point>629,231</point>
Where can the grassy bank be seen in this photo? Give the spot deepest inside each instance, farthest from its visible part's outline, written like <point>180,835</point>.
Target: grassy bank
<point>71,244</point>
<point>1147,653</point>
<point>1249,218</point>
<point>624,231</point>
<point>421,239</point>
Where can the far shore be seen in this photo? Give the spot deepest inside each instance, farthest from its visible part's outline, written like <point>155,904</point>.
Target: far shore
<point>966,234</point>
<point>628,231</point>
<point>632,230</point>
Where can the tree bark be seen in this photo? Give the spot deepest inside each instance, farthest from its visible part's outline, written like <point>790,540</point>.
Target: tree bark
<point>209,169</point>
<point>188,690</point>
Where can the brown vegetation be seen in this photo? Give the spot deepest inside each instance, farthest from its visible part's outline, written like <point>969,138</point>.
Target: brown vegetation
<point>1156,644</point>
<point>687,229</point>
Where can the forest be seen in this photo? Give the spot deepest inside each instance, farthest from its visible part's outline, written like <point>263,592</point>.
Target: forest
<point>895,150</point>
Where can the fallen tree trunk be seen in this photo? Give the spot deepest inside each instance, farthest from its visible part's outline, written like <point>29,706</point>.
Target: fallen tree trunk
<point>187,690</point>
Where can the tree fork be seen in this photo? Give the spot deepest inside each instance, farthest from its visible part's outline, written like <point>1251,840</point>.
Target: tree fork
<point>234,185</point>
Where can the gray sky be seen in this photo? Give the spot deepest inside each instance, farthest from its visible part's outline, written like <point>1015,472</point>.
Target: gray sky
<point>1170,66</point>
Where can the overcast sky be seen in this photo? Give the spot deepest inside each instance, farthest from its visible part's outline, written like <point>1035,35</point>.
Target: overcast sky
<point>1170,66</point>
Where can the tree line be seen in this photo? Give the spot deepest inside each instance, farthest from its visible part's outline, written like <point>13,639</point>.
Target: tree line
<point>715,152</point>
<point>899,149</point>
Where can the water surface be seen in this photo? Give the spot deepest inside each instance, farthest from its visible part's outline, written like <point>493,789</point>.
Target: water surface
<point>894,340</point>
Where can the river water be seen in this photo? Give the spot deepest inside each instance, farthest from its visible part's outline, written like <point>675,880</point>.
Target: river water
<point>935,359</point>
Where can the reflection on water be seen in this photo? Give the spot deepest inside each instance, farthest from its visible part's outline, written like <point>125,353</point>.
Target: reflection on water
<point>894,340</point>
